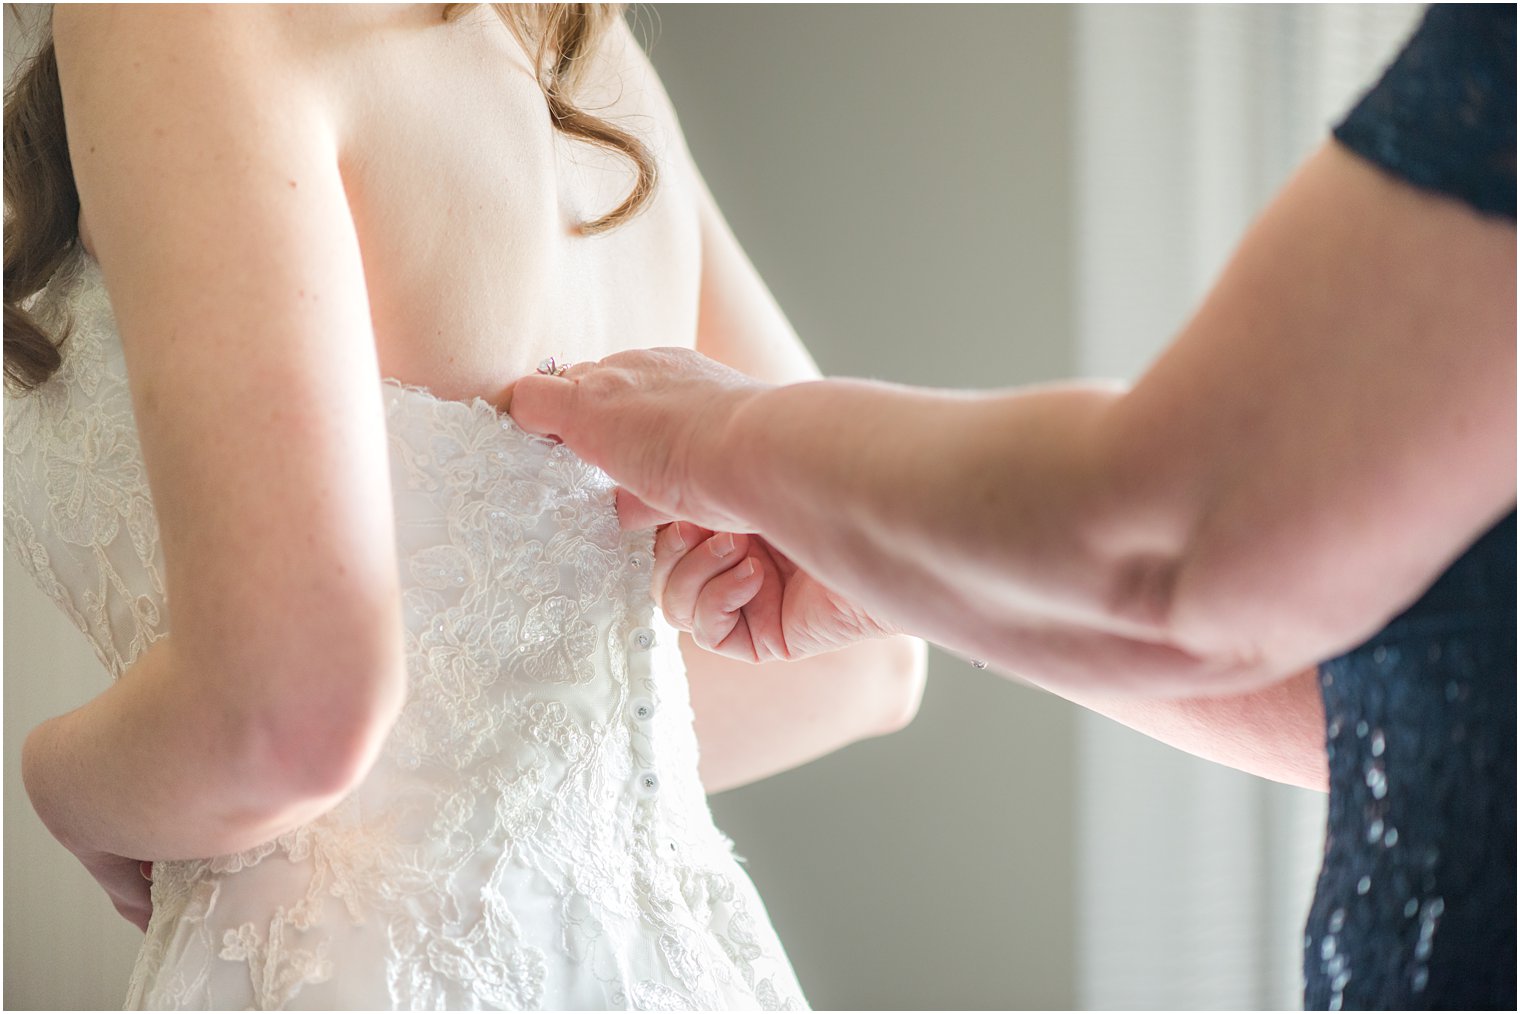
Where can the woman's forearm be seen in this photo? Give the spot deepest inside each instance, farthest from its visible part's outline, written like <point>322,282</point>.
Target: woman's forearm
<point>1329,431</point>
<point>999,546</point>
<point>1277,732</point>
<point>966,573</point>
<point>153,769</point>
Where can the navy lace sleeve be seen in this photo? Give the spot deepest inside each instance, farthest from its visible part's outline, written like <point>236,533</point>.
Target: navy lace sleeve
<point>1415,907</point>
<point>1443,115</point>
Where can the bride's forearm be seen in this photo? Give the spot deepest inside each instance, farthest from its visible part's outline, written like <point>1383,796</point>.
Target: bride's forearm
<point>756,722</point>
<point>151,769</point>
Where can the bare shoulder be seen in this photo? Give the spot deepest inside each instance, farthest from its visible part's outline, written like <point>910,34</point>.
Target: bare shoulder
<point>265,22</point>
<point>124,27</point>
<point>184,49</point>
<point>174,90</point>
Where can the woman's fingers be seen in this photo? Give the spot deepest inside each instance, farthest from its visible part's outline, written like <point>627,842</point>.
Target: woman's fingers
<point>634,513</point>
<point>698,565</point>
<point>724,588</point>
<point>671,544</point>
<point>763,614</point>
<point>718,622</point>
<point>540,404</point>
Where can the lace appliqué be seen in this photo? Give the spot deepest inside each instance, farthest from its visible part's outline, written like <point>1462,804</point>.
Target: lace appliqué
<point>78,516</point>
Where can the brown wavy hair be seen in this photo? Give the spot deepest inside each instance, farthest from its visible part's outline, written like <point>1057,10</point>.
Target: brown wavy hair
<point>42,202</point>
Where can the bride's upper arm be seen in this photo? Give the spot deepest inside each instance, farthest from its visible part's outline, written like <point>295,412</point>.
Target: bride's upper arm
<point>739,323</point>
<point>207,164</point>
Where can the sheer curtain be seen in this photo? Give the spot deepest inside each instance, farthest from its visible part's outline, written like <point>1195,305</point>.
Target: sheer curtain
<point>1194,880</point>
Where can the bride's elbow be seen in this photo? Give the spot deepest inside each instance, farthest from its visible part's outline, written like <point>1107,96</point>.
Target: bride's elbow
<point>313,734</point>
<point>310,755</point>
<point>904,671</point>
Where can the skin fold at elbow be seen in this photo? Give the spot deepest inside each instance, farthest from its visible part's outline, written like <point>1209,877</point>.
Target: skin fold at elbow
<point>303,749</point>
<point>903,671</point>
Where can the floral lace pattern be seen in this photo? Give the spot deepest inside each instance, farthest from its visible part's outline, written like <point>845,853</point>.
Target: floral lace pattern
<point>534,834</point>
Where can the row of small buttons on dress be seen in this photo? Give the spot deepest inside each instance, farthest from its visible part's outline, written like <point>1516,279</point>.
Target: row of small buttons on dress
<point>642,708</point>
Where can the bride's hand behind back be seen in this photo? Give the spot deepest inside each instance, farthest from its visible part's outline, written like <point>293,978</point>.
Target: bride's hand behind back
<point>127,883</point>
<point>739,596</point>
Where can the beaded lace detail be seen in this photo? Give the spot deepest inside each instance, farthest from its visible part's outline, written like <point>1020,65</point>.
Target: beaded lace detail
<point>534,834</point>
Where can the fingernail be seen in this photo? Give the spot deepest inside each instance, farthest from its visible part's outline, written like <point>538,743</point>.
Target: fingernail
<point>676,542</point>
<point>723,545</point>
<point>747,569</point>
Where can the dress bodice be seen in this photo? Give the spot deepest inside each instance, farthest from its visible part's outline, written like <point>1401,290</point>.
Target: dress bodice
<point>534,833</point>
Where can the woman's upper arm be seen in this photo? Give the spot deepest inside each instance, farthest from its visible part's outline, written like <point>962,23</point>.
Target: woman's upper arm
<point>1335,424</point>
<point>207,166</point>
<point>1276,731</point>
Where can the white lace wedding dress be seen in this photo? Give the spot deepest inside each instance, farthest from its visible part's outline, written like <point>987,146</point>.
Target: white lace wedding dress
<point>534,834</point>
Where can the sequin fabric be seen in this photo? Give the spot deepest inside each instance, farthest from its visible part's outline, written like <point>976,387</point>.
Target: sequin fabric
<point>1415,906</point>
<point>534,833</point>
<point>1443,115</point>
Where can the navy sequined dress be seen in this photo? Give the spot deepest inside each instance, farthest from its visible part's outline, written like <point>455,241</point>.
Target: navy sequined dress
<point>1415,907</point>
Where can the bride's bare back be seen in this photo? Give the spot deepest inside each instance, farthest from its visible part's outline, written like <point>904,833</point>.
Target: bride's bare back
<point>467,202</point>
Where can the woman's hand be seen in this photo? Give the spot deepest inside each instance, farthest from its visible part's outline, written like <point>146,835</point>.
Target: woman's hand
<point>656,420</point>
<point>126,882</point>
<point>741,597</point>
